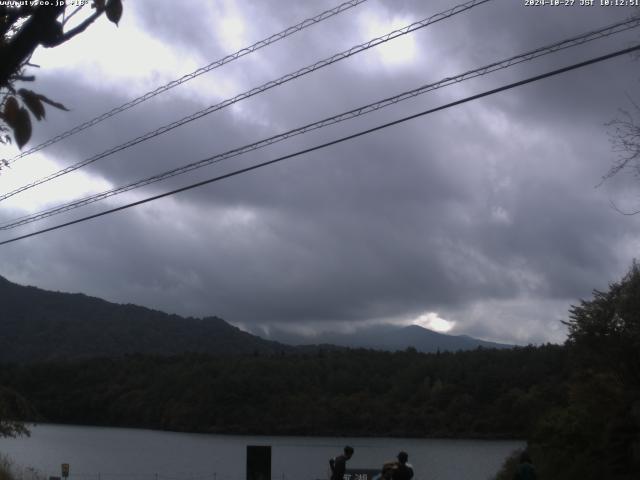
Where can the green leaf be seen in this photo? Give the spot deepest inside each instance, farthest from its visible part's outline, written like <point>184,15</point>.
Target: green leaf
<point>33,102</point>
<point>17,118</point>
<point>114,10</point>
<point>52,103</point>
<point>11,109</point>
<point>22,128</point>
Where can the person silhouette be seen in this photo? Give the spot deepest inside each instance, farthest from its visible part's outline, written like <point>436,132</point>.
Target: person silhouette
<point>525,469</point>
<point>404,470</point>
<point>339,464</point>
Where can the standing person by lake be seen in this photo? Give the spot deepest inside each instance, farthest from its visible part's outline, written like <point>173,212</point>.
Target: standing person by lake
<point>525,469</point>
<point>339,464</point>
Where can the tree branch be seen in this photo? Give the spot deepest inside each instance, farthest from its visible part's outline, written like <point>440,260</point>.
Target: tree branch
<point>23,43</point>
<point>68,17</point>
<point>23,78</point>
<point>79,29</point>
<point>628,213</point>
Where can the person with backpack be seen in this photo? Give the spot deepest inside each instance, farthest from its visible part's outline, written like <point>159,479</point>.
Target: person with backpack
<point>338,465</point>
<point>398,469</point>
<point>404,470</point>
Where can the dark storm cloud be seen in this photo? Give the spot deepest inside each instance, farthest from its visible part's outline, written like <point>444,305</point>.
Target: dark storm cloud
<point>485,213</point>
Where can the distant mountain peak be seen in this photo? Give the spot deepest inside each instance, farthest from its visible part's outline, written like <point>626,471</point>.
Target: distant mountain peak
<point>390,337</point>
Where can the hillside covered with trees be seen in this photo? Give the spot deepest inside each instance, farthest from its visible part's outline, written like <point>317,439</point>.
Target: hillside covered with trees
<point>594,433</point>
<point>39,325</point>
<point>482,393</point>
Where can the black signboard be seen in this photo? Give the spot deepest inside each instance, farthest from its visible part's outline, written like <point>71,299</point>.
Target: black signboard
<point>258,462</point>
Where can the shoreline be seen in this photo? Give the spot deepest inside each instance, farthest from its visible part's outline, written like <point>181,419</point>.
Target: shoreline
<point>489,438</point>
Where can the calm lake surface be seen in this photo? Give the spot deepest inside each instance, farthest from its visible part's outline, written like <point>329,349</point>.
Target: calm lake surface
<point>96,453</point>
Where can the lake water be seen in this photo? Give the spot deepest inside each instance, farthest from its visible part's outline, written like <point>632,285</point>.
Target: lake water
<point>131,454</point>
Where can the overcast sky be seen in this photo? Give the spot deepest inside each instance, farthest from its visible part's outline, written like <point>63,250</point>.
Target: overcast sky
<point>483,219</point>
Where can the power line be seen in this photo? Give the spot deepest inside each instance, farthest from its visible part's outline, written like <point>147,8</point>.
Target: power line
<point>254,91</point>
<point>333,142</point>
<point>527,56</point>
<point>196,73</point>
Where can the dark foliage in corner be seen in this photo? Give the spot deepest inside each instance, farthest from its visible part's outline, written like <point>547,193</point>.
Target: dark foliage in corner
<point>597,434</point>
<point>25,26</point>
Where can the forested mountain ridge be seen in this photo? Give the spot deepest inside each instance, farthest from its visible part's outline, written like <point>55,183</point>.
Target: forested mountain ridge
<point>40,325</point>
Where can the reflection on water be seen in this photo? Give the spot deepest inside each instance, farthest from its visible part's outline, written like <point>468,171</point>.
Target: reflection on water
<point>130,454</point>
